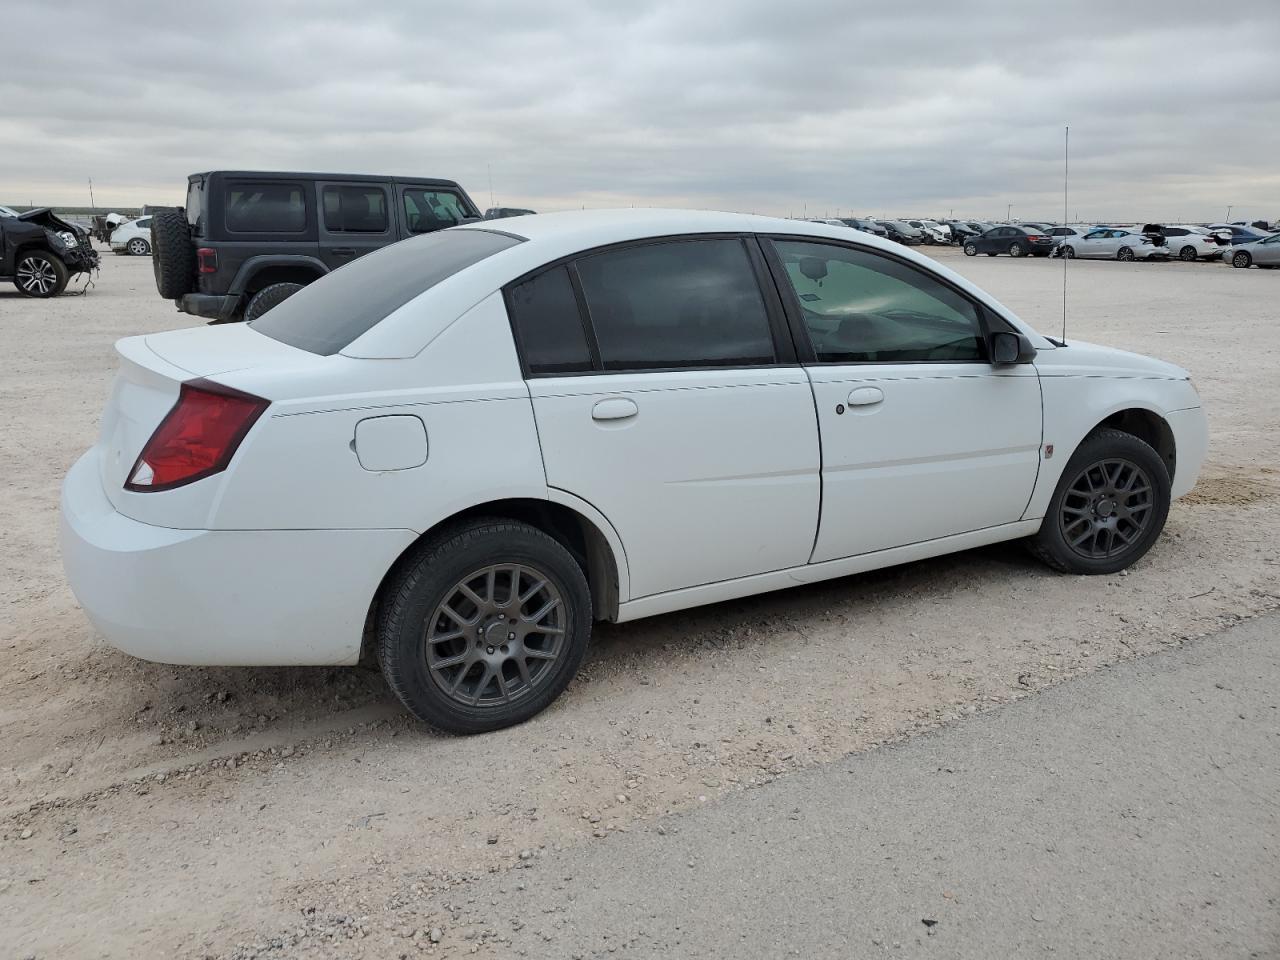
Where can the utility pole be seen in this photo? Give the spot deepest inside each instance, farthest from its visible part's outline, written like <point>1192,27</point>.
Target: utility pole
<point>1229,209</point>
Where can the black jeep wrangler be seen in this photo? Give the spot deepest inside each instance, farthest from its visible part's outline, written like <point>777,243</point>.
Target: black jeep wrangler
<point>40,252</point>
<point>248,240</point>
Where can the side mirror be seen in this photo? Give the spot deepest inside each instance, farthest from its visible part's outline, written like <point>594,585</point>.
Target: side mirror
<point>1008,348</point>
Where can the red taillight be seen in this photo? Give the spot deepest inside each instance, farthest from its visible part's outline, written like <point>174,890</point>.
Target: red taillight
<point>1033,237</point>
<point>206,260</point>
<point>197,438</point>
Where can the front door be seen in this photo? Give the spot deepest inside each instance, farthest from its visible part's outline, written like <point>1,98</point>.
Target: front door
<point>355,218</point>
<point>921,436</point>
<point>666,395</point>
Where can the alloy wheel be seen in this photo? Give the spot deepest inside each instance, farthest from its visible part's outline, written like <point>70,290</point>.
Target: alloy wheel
<point>1240,260</point>
<point>1188,254</point>
<point>1125,254</point>
<point>1015,250</point>
<point>496,635</point>
<point>138,247</point>
<point>36,275</point>
<point>1106,509</point>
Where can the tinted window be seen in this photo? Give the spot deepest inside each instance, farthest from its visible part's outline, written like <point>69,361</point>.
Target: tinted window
<point>426,210</point>
<point>354,209</point>
<point>327,315</point>
<point>1175,232</point>
<point>548,324</point>
<point>687,303</point>
<point>860,307</point>
<point>144,222</point>
<point>266,208</point>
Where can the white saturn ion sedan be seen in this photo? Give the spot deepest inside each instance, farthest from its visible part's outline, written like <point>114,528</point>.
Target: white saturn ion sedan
<point>469,446</point>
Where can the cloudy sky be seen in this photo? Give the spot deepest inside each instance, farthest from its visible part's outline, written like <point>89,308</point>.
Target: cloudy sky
<point>774,106</point>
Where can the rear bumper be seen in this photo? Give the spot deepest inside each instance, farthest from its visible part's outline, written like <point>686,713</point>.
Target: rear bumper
<point>219,597</point>
<point>1191,442</point>
<point>211,306</point>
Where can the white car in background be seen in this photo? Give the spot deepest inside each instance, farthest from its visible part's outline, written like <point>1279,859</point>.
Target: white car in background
<point>932,230</point>
<point>476,442</point>
<point>1113,243</point>
<point>133,238</point>
<point>1188,242</point>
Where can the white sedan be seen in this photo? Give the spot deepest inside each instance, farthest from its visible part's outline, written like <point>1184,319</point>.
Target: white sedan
<point>1188,242</point>
<point>477,442</point>
<point>133,237</point>
<point>1114,243</point>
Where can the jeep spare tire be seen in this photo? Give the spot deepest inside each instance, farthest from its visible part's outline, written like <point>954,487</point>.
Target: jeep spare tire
<point>173,256</point>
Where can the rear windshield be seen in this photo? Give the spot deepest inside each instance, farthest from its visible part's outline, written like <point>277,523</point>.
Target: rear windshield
<point>329,314</point>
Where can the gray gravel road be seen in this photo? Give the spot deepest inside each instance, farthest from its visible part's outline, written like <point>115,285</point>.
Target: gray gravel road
<point>1133,813</point>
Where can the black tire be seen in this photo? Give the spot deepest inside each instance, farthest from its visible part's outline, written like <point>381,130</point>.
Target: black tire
<point>410,611</point>
<point>39,274</point>
<point>1069,252</point>
<point>970,250</point>
<point>1188,254</point>
<point>1051,544</point>
<point>268,297</point>
<point>1125,254</point>
<point>173,255</point>
<point>1015,249</point>
<point>1241,260</point>
<point>138,247</point>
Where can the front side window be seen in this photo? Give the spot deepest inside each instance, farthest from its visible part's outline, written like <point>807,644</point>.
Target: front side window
<point>355,209</point>
<point>266,208</point>
<point>686,303</point>
<point>860,307</point>
<point>426,210</point>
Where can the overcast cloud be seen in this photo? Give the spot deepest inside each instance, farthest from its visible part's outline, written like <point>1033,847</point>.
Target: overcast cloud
<point>775,107</point>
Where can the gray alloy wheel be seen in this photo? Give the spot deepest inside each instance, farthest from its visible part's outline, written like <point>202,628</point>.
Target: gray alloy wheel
<point>1187,254</point>
<point>496,635</point>
<point>970,249</point>
<point>40,275</point>
<point>138,247</point>
<point>1106,509</point>
<point>1241,259</point>
<point>1125,254</point>
<point>1069,252</point>
<point>1015,249</point>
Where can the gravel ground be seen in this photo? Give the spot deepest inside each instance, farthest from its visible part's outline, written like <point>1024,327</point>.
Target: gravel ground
<point>192,812</point>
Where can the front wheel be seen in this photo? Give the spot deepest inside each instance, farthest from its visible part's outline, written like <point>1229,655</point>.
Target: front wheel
<point>484,627</point>
<point>970,249</point>
<point>1109,506</point>
<point>40,274</point>
<point>1125,254</point>
<point>1241,260</point>
<point>139,247</point>
<point>1015,249</point>
<point>1069,252</point>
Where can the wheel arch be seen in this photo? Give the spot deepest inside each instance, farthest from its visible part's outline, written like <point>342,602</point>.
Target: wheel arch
<point>1148,426</point>
<point>259,272</point>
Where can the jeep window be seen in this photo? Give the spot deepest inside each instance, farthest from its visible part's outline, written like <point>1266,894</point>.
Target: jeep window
<point>266,208</point>
<point>352,209</point>
<point>195,206</point>
<point>427,210</point>
<point>330,313</point>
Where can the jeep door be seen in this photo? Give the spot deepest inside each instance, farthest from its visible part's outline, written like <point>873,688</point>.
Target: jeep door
<point>355,218</point>
<point>922,437</point>
<point>666,394</point>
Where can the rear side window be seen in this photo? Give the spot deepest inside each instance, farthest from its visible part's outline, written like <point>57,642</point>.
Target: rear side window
<point>195,206</point>
<point>548,324</point>
<point>332,312</point>
<point>355,209</point>
<point>427,210</point>
<point>266,208</point>
<point>687,303</point>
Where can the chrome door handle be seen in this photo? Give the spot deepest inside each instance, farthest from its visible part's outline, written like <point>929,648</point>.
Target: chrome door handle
<point>865,396</point>
<point>614,408</point>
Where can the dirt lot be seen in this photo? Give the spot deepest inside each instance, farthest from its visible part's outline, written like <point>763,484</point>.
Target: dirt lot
<point>161,811</point>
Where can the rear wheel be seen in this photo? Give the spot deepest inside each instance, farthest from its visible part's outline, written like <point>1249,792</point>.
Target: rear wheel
<point>484,627</point>
<point>1241,259</point>
<point>1125,254</point>
<point>268,297</point>
<point>1015,249</point>
<point>1109,507</point>
<point>138,247</point>
<point>1187,254</point>
<point>970,249</point>
<point>40,274</point>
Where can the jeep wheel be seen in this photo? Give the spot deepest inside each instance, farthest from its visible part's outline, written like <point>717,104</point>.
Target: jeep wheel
<point>173,255</point>
<point>40,274</point>
<point>138,247</point>
<point>268,297</point>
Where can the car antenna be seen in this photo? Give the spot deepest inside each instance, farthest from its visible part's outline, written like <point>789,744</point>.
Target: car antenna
<point>1066,154</point>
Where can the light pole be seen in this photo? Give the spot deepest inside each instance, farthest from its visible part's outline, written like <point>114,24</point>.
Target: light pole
<point>1008,213</point>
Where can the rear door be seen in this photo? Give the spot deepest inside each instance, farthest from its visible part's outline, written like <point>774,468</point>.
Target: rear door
<point>921,436</point>
<point>355,218</point>
<point>667,395</point>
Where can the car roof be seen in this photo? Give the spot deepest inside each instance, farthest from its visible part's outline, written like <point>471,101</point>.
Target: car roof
<point>304,175</point>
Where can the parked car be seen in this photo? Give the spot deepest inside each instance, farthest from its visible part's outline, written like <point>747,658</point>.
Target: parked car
<point>933,233</point>
<point>865,225</point>
<point>1264,253</point>
<point>1188,242</point>
<point>962,230</point>
<point>41,252</point>
<point>132,237</point>
<point>1115,244</point>
<point>501,213</point>
<point>248,240</point>
<point>1063,233</point>
<point>1015,241</point>
<point>1237,233</point>
<point>477,442</point>
<point>903,233</point>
